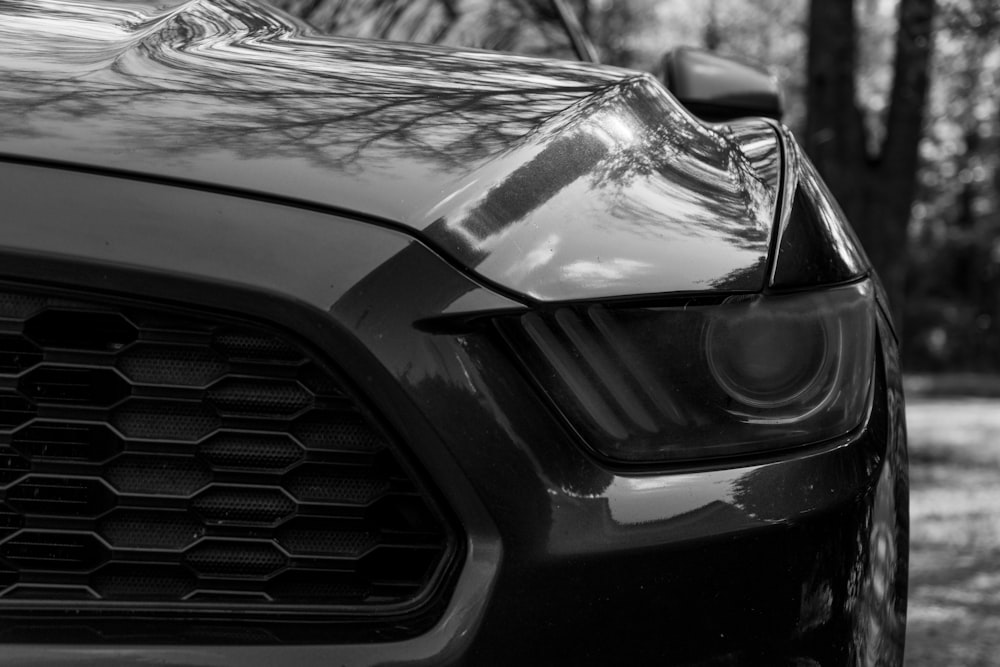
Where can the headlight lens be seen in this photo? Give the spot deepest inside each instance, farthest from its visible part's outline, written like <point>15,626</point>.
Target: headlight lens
<point>670,383</point>
<point>764,362</point>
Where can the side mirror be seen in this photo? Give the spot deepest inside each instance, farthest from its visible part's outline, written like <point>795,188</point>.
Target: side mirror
<point>716,88</point>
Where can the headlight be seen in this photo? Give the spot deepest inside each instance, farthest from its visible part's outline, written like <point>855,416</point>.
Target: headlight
<point>751,374</point>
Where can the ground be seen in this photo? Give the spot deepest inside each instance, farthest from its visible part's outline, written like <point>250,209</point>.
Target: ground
<point>954,612</point>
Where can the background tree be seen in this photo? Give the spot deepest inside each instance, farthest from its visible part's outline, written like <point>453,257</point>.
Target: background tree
<point>875,181</point>
<point>953,307</point>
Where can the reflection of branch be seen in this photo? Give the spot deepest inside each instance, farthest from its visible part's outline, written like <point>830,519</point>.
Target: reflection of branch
<point>524,26</point>
<point>348,99</point>
<point>452,13</point>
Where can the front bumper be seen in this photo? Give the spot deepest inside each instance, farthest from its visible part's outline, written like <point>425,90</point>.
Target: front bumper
<point>796,559</point>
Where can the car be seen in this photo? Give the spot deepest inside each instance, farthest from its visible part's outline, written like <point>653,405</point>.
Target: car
<point>353,349</point>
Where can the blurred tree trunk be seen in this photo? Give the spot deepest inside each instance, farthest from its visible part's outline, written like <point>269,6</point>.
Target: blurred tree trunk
<point>586,13</point>
<point>712,36</point>
<point>876,189</point>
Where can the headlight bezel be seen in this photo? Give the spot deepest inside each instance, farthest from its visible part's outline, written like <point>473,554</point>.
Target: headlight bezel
<point>588,362</point>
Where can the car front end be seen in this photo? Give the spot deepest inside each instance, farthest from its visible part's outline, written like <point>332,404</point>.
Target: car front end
<point>330,351</point>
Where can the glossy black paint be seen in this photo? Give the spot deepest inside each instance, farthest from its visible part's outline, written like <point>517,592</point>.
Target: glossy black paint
<point>718,88</point>
<point>554,179</point>
<point>814,243</point>
<point>360,195</point>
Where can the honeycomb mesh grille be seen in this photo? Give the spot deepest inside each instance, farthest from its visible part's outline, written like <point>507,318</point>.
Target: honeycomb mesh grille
<point>174,459</point>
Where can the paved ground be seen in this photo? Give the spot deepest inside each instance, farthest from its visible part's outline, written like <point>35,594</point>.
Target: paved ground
<point>954,612</point>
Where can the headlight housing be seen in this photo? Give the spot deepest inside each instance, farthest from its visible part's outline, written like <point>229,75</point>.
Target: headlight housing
<point>748,375</point>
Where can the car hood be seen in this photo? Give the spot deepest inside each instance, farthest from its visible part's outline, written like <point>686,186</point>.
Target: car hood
<point>551,180</point>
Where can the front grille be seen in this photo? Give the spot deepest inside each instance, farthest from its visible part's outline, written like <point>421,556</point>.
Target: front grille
<point>196,464</point>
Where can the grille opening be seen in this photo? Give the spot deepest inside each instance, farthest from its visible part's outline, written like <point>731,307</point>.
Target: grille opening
<point>17,354</point>
<point>10,522</point>
<point>241,505</point>
<point>150,529</point>
<point>15,410</point>
<point>80,330</point>
<point>60,496</point>
<point>141,582</point>
<point>202,468</point>
<point>165,420</point>
<point>188,365</point>
<point>55,440</point>
<point>154,475</point>
<point>255,399</point>
<point>53,551</point>
<point>236,559</point>
<point>315,538</point>
<point>81,386</point>
<point>256,346</point>
<point>12,466</point>
<point>250,451</point>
